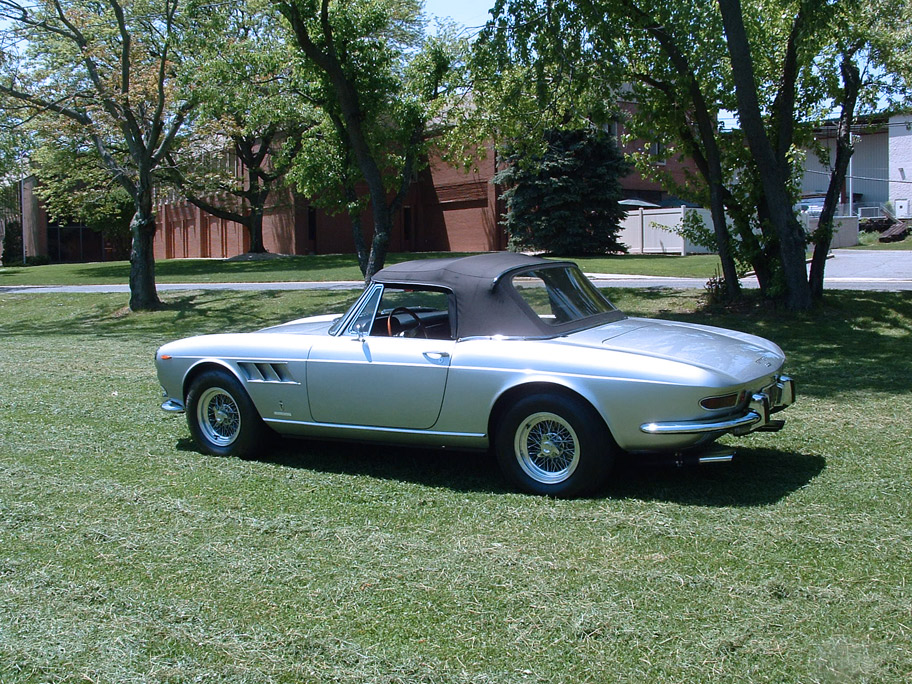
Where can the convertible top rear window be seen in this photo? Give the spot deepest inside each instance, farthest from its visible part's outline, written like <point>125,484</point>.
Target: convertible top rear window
<point>560,295</point>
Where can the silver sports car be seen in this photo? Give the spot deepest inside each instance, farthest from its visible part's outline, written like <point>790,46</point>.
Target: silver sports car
<point>497,350</point>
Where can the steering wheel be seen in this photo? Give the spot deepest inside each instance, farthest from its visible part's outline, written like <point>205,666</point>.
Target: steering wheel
<point>402,309</point>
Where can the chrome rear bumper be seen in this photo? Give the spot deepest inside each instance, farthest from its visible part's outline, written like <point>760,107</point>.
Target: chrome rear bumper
<point>756,416</point>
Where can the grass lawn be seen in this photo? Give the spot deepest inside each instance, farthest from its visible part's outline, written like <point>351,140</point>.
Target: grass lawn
<point>869,241</point>
<point>316,268</point>
<point>126,556</point>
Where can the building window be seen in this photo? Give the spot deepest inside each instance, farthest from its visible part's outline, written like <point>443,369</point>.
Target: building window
<point>658,151</point>
<point>406,223</point>
<point>311,223</point>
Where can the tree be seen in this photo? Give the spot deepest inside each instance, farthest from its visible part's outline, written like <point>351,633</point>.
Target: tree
<point>108,68</point>
<point>863,66</point>
<point>74,186</point>
<point>583,57</point>
<point>247,108</point>
<point>691,60</point>
<point>379,83</point>
<point>565,201</point>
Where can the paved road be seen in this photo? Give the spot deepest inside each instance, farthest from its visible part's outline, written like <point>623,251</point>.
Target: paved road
<point>847,269</point>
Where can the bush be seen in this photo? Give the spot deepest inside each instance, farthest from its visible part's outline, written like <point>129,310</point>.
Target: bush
<point>565,200</point>
<point>12,244</point>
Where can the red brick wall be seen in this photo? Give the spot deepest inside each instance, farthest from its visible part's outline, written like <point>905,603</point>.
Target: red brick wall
<point>448,210</point>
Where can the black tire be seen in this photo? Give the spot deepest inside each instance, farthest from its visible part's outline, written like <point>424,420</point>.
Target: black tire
<point>222,418</point>
<point>555,445</point>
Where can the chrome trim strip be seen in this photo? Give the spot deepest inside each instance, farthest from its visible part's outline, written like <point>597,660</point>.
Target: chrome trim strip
<point>172,406</point>
<point>697,426</point>
<point>372,428</point>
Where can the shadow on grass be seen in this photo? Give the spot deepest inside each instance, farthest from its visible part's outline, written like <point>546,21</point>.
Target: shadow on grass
<point>191,312</point>
<point>757,477</point>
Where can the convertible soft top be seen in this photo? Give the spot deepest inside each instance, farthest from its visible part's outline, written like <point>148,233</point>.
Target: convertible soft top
<point>486,302</point>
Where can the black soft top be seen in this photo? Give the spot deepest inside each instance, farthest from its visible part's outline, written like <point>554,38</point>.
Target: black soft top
<point>486,303</point>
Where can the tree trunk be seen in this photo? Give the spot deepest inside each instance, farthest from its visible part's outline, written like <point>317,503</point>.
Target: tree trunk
<point>723,241</point>
<point>357,232</point>
<point>143,295</point>
<point>255,229</point>
<point>256,196</point>
<point>380,243</point>
<point>773,172</point>
<point>823,236</point>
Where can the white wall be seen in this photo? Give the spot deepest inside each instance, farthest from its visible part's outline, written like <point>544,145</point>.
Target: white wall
<point>652,231</point>
<point>901,165</point>
<point>845,233</point>
<point>869,173</point>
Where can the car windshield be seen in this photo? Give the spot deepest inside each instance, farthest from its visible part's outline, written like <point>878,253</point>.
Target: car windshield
<point>560,295</point>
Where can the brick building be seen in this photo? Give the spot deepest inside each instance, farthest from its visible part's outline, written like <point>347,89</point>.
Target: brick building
<point>446,209</point>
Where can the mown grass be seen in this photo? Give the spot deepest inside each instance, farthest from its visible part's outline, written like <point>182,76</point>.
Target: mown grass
<point>125,556</point>
<point>316,268</point>
<point>871,241</point>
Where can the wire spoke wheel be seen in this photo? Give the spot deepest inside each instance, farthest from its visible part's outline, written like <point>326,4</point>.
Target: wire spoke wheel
<point>553,444</point>
<point>222,418</point>
<point>219,416</point>
<point>547,448</point>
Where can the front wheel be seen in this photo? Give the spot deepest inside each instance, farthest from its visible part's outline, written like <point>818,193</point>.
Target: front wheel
<point>221,416</point>
<point>554,445</point>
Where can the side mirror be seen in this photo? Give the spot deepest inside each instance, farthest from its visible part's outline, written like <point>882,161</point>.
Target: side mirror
<point>361,329</point>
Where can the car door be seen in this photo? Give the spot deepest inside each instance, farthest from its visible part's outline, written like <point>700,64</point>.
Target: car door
<point>376,380</point>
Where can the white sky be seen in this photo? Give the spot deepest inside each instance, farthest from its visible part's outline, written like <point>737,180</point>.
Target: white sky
<point>469,13</point>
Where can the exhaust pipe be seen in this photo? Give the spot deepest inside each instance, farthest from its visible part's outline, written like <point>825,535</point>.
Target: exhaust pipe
<point>716,455</point>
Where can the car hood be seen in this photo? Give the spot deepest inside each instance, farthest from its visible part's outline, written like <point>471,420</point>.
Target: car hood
<point>739,355</point>
<point>312,325</point>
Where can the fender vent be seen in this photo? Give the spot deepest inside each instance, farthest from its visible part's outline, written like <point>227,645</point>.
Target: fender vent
<point>265,371</point>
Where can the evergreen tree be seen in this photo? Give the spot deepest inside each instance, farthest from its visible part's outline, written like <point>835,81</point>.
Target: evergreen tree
<point>564,200</point>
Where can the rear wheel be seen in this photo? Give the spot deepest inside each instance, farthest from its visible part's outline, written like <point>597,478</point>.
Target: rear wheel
<point>221,416</point>
<point>555,445</point>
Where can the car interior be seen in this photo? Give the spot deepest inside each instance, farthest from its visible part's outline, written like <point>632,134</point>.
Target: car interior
<point>413,313</point>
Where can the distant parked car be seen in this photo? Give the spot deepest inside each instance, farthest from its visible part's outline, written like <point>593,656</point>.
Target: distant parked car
<point>497,350</point>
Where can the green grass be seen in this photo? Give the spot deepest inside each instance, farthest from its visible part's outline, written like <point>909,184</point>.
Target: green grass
<point>126,556</point>
<point>691,266</point>
<point>314,268</point>
<point>870,241</point>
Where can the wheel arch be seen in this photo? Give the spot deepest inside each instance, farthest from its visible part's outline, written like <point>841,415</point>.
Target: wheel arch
<point>205,365</point>
<point>512,394</point>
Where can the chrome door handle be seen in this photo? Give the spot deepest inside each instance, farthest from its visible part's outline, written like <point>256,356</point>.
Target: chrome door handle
<point>436,355</point>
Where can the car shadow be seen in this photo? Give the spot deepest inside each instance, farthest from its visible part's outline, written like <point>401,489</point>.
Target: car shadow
<point>756,477</point>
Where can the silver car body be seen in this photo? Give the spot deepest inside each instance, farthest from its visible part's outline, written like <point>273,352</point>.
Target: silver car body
<point>653,382</point>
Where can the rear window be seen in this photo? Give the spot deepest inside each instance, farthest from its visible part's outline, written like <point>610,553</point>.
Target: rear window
<point>560,295</point>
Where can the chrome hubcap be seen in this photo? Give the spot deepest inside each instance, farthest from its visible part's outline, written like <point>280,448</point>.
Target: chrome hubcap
<point>547,448</point>
<point>218,416</point>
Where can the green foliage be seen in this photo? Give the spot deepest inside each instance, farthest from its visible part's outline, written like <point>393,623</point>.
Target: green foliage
<point>565,200</point>
<point>536,67</point>
<point>544,59</point>
<point>106,73</point>
<point>246,128</point>
<point>11,254</point>
<point>380,87</point>
<point>75,186</point>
